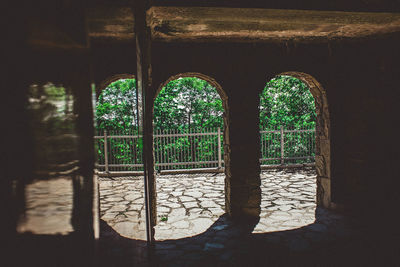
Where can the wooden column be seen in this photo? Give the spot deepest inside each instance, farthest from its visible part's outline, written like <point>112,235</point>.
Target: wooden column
<point>143,61</point>
<point>83,180</point>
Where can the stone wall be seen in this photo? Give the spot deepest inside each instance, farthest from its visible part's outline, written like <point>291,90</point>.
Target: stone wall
<point>48,42</point>
<point>350,77</point>
<point>348,74</point>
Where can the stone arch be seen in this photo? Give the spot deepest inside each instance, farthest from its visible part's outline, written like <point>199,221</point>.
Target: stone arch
<point>322,137</point>
<point>224,98</point>
<point>103,85</point>
<point>204,77</point>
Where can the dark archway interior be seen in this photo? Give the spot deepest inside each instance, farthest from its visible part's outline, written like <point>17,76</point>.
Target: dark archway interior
<point>350,47</point>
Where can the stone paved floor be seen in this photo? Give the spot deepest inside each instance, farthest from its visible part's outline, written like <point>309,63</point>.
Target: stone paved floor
<point>122,205</point>
<point>194,231</point>
<point>288,200</point>
<point>188,205</point>
<point>48,207</point>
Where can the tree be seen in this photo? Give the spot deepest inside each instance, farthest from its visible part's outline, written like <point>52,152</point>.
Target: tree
<point>286,101</point>
<point>191,104</point>
<point>183,105</point>
<point>116,110</point>
<point>188,103</point>
<point>116,107</point>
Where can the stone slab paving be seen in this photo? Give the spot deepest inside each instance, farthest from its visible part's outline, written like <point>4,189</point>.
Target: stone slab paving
<point>287,201</point>
<point>122,206</point>
<point>193,230</point>
<point>189,204</point>
<point>48,207</point>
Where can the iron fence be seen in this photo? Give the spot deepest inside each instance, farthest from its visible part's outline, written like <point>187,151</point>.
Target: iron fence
<point>287,146</point>
<point>198,149</point>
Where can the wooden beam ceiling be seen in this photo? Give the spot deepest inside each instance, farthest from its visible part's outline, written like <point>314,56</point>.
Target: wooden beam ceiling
<point>199,24</point>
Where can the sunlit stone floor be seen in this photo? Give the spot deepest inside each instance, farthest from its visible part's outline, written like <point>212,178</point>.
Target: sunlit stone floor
<point>193,229</point>
<point>188,205</point>
<point>48,207</point>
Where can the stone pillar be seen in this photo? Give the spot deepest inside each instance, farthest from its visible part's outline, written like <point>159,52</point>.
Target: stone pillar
<point>322,138</point>
<point>322,142</point>
<point>242,168</point>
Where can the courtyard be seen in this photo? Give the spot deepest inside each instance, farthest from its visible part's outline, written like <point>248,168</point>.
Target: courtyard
<point>193,229</point>
<point>188,204</point>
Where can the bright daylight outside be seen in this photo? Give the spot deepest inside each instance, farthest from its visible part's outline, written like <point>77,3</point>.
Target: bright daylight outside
<point>189,157</point>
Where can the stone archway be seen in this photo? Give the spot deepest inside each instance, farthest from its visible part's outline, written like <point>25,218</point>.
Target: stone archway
<point>224,98</point>
<point>322,137</point>
<point>194,225</point>
<point>204,77</point>
<point>124,195</point>
<point>103,85</point>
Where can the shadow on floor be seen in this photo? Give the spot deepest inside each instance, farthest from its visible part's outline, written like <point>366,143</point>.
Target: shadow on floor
<point>332,240</point>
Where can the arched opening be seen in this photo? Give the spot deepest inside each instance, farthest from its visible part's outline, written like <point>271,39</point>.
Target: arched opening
<point>113,78</point>
<point>295,152</point>
<point>119,164</point>
<point>190,152</point>
<point>116,119</point>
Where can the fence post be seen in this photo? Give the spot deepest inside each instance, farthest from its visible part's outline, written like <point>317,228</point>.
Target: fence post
<point>219,148</point>
<point>105,151</point>
<point>282,147</point>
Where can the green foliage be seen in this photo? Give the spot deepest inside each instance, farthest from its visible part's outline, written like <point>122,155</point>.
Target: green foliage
<point>116,107</point>
<point>184,103</point>
<point>188,103</point>
<point>286,101</point>
<point>116,111</point>
<point>193,105</point>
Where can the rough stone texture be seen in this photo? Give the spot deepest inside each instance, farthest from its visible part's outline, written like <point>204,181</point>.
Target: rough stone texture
<point>359,73</point>
<point>48,207</point>
<point>290,224</point>
<point>241,143</point>
<point>188,205</point>
<point>322,138</point>
<point>122,206</point>
<point>350,73</point>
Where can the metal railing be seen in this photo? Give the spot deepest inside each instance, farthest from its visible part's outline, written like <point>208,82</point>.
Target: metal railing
<point>287,146</point>
<point>198,149</point>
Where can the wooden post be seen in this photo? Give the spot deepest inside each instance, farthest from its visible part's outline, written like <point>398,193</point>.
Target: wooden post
<point>143,64</point>
<point>219,149</point>
<point>282,147</point>
<point>105,151</point>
